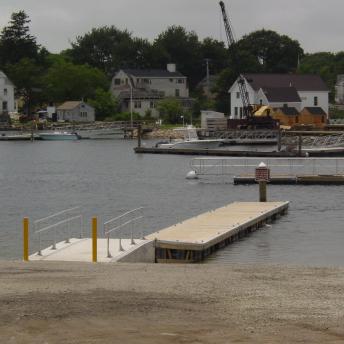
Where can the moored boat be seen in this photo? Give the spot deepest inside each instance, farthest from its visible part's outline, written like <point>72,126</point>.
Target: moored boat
<point>59,136</point>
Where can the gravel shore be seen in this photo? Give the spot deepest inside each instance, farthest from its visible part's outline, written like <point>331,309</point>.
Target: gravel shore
<point>54,302</point>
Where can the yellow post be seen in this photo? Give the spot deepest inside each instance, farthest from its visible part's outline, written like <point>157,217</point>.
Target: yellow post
<point>94,239</point>
<point>26,239</point>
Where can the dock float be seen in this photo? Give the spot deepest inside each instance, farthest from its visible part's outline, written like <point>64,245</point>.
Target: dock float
<point>195,239</point>
<point>214,152</point>
<point>297,179</point>
<point>187,242</point>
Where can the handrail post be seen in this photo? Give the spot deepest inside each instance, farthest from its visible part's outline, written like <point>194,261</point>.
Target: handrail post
<point>120,248</point>
<point>108,246</point>
<point>54,243</point>
<point>26,239</point>
<point>94,239</point>
<point>132,242</point>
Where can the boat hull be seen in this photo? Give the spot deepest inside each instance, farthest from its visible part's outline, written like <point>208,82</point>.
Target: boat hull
<point>58,137</point>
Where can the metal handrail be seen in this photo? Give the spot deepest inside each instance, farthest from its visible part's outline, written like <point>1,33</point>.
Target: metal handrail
<point>55,215</point>
<point>67,221</point>
<point>108,231</point>
<point>121,216</point>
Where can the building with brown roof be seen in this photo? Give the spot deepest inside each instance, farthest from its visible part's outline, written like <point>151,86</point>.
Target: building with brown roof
<point>75,111</point>
<point>314,116</point>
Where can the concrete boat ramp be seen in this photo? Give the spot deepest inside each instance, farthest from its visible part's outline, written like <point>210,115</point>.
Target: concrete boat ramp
<point>186,242</point>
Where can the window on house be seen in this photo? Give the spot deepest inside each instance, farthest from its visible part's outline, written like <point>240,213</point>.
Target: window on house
<point>4,106</point>
<point>5,91</point>
<point>171,80</point>
<point>261,101</point>
<point>117,81</point>
<point>180,81</point>
<point>137,104</point>
<point>146,81</point>
<point>238,95</point>
<point>315,101</point>
<point>177,93</point>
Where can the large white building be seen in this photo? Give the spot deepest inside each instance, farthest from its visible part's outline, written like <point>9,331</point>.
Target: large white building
<point>7,102</point>
<point>278,90</point>
<point>145,87</point>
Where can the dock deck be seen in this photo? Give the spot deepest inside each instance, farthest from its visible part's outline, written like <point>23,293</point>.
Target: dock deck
<point>196,238</point>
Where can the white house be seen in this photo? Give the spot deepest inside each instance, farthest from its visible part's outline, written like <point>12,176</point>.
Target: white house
<point>340,89</point>
<point>278,90</point>
<point>145,87</point>
<point>75,111</point>
<point>7,102</point>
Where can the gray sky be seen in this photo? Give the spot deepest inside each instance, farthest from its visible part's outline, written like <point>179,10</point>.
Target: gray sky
<point>318,25</point>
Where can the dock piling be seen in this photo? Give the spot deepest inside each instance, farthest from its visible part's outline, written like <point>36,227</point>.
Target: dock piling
<point>26,239</point>
<point>262,191</point>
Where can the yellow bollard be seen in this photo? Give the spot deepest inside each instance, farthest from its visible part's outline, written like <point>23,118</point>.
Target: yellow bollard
<point>94,239</point>
<point>26,239</point>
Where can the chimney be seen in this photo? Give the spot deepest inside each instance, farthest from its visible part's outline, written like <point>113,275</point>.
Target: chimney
<point>171,67</point>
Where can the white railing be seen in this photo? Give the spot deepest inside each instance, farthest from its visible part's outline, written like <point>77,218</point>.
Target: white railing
<point>278,166</point>
<point>64,221</point>
<point>116,224</point>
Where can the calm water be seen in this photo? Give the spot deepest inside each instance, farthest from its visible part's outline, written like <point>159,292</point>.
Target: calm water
<point>106,177</point>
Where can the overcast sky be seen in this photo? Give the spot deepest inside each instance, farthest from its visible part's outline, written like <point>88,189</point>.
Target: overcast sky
<point>318,25</point>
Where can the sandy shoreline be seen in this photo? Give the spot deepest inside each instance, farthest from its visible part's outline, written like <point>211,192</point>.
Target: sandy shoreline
<point>48,302</point>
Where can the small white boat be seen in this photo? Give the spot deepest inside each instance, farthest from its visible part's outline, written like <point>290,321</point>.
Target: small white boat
<point>190,141</point>
<point>59,136</point>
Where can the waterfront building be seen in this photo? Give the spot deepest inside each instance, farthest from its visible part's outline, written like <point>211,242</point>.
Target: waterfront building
<point>278,90</point>
<point>7,101</point>
<point>142,89</point>
<point>75,111</point>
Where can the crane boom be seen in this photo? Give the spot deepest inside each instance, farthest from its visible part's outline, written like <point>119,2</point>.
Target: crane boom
<point>247,108</point>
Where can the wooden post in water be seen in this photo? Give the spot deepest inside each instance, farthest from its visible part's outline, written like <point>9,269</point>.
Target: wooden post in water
<point>279,140</point>
<point>300,145</point>
<point>262,177</point>
<point>139,133</point>
<point>262,191</point>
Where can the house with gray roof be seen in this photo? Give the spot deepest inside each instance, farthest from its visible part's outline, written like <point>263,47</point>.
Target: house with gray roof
<point>7,101</point>
<point>75,111</point>
<point>143,88</point>
<point>278,90</point>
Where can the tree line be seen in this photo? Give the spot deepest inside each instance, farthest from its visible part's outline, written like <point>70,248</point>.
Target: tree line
<point>85,69</point>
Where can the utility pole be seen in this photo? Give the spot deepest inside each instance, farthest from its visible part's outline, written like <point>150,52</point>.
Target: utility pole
<point>208,76</point>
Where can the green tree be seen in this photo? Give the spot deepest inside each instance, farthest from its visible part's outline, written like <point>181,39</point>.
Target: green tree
<point>16,42</point>
<point>27,77</point>
<point>275,53</point>
<point>105,104</point>
<point>183,48</point>
<point>170,110</point>
<point>67,81</point>
<point>108,49</point>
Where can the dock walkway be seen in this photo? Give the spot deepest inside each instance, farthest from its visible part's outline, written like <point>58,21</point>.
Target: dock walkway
<point>186,242</point>
<point>196,238</point>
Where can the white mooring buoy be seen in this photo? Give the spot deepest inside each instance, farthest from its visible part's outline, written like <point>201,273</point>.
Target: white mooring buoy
<point>192,175</point>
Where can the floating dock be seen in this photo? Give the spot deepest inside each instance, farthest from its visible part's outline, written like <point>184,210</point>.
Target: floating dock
<point>195,239</point>
<point>298,179</point>
<point>186,242</point>
<point>214,152</point>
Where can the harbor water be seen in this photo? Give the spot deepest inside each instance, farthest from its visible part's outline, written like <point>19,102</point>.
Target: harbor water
<point>106,178</point>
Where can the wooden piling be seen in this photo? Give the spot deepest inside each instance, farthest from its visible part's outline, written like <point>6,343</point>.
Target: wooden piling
<point>262,191</point>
